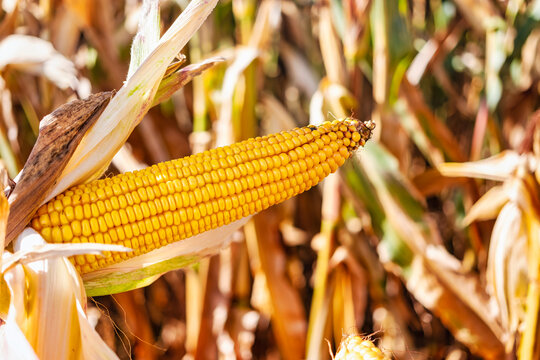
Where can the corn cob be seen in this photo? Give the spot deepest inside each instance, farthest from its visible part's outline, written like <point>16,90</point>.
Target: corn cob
<point>354,347</point>
<point>174,200</point>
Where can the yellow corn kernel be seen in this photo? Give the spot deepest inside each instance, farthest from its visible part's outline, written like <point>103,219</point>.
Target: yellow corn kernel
<point>181,198</point>
<point>356,347</point>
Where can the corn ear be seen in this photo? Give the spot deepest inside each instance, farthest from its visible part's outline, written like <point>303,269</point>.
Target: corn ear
<point>357,347</point>
<point>150,210</point>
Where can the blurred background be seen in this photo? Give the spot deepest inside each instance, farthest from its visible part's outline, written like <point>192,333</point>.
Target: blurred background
<point>427,241</point>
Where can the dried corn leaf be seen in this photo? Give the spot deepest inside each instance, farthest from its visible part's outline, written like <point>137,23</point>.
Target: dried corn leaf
<point>288,317</point>
<point>488,206</point>
<point>480,14</point>
<point>4,213</point>
<point>60,133</point>
<point>244,56</point>
<point>7,24</point>
<point>499,167</point>
<point>436,131</point>
<point>65,32</point>
<point>179,78</point>
<point>350,294</point>
<point>38,57</point>
<point>266,24</point>
<point>331,48</point>
<point>496,54</point>
<point>454,297</point>
<point>464,322</point>
<point>431,182</point>
<point>276,117</point>
<point>300,72</point>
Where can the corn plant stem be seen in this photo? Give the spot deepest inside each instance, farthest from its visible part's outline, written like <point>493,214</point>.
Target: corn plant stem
<point>332,51</point>
<point>380,58</point>
<point>244,14</point>
<point>321,328</point>
<point>244,119</point>
<point>200,118</point>
<point>197,280</point>
<point>330,214</point>
<point>195,284</point>
<point>212,298</point>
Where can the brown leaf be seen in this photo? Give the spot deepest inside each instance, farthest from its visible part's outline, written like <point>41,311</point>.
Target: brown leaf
<point>288,316</point>
<point>59,134</point>
<point>464,321</point>
<point>9,20</point>
<point>432,182</point>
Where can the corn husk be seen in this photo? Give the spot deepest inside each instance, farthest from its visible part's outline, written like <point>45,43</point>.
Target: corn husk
<point>45,313</point>
<point>127,108</point>
<point>144,269</point>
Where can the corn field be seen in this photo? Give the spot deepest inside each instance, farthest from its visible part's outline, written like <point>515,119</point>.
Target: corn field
<point>424,244</point>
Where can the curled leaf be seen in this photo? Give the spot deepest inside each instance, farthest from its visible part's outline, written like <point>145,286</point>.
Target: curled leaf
<point>488,206</point>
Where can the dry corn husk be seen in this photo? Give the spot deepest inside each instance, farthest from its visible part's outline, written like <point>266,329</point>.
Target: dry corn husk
<point>44,302</point>
<point>127,108</point>
<point>513,255</point>
<point>144,269</point>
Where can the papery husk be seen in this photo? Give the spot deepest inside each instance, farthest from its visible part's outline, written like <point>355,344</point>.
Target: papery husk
<point>144,269</point>
<point>46,306</point>
<point>132,101</point>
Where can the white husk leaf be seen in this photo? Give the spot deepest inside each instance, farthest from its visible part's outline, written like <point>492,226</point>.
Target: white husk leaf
<point>46,305</point>
<point>41,251</point>
<point>488,206</point>
<point>147,35</point>
<point>13,343</point>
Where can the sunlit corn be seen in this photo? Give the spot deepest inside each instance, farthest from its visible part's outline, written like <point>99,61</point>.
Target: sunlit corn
<point>354,347</point>
<point>174,200</point>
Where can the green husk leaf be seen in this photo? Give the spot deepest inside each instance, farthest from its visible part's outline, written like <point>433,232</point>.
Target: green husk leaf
<point>142,270</point>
